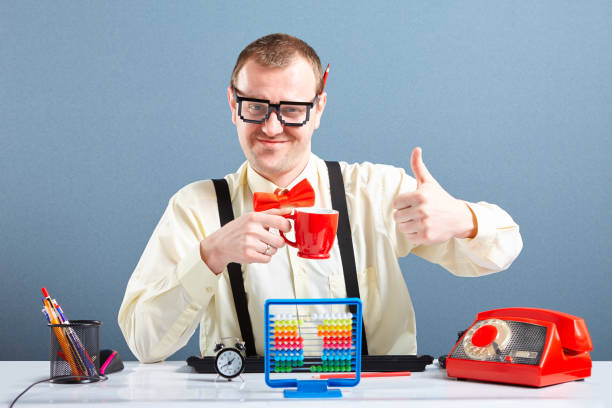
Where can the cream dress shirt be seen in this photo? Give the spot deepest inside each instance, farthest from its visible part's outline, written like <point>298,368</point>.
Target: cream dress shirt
<point>172,290</point>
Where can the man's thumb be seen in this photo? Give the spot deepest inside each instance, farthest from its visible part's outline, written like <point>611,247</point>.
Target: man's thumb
<point>421,174</point>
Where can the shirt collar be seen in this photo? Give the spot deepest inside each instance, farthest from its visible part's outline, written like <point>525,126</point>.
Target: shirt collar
<point>258,183</point>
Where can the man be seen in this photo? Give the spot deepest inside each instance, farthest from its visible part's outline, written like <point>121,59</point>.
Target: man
<point>181,279</point>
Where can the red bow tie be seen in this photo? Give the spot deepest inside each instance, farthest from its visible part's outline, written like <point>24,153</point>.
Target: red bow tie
<point>301,195</point>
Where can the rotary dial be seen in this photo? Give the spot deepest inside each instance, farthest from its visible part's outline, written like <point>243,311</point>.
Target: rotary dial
<point>486,339</point>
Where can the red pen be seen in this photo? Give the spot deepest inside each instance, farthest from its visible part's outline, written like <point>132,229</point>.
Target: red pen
<point>363,375</point>
<point>53,315</point>
<point>325,78</point>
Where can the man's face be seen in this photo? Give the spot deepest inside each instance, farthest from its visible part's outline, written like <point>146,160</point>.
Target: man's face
<point>273,150</point>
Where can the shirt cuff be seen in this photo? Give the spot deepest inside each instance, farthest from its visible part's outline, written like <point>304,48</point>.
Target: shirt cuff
<point>488,248</point>
<point>485,224</point>
<point>196,277</point>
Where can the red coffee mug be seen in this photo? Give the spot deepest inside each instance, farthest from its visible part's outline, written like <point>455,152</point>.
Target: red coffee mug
<point>315,231</point>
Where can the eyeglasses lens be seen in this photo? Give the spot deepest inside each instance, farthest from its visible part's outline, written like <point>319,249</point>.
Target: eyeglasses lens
<point>290,114</point>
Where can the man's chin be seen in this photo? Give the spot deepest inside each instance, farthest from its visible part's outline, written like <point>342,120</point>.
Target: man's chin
<point>270,169</point>
<point>273,165</point>
<point>270,159</point>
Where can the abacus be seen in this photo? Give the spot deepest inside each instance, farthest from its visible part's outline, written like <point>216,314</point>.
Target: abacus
<point>299,340</point>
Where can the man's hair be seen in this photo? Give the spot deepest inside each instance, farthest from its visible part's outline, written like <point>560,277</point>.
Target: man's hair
<point>278,50</point>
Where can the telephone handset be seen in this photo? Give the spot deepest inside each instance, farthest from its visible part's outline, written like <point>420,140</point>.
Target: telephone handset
<point>526,346</point>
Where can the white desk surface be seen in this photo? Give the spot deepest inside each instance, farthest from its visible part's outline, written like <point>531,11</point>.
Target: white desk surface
<point>174,384</point>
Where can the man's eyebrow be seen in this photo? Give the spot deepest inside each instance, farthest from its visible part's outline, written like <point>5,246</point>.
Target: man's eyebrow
<point>243,95</point>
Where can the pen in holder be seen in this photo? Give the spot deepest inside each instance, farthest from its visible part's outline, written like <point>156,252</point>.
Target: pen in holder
<point>75,351</point>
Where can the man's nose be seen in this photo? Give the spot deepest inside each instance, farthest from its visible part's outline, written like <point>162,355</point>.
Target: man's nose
<point>272,126</point>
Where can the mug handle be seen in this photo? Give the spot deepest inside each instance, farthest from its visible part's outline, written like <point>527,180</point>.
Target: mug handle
<point>292,217</point>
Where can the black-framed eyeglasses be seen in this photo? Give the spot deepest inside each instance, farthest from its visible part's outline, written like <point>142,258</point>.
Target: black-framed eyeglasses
<point>253,110</point>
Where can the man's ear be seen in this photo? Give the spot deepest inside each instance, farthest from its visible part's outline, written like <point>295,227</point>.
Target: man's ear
<point>232,103</point>
<point>319,108</point>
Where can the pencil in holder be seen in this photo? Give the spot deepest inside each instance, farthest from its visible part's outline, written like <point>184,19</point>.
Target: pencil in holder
<point>75,351</point>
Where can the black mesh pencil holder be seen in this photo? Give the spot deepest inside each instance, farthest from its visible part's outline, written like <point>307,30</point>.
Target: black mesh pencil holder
<point>75,351</point>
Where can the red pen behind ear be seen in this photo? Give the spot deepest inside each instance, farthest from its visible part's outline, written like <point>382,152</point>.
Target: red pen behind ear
<point>324,79</point>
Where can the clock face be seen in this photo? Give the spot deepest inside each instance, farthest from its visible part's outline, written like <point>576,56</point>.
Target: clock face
<point>229,363</point>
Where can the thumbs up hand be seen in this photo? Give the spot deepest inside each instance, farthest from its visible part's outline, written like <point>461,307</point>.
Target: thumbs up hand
<point>430,215</point>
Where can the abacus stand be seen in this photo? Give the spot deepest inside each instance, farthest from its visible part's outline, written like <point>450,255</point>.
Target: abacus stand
<point>313,389</point>
<point>332,340</point>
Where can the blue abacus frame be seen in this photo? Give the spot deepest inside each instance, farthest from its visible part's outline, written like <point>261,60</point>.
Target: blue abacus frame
<point>314,388</point>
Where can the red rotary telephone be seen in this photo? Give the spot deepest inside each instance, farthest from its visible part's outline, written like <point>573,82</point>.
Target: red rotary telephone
<point>527,346</point>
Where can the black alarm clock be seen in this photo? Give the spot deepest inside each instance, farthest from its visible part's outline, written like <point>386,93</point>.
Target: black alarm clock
<point>230,361</point>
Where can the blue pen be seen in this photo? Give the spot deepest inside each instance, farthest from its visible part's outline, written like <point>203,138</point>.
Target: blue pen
<point>44,310</point>
<point>46,315</point>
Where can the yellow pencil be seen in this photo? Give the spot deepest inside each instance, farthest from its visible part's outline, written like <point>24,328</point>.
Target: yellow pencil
<point>61,338</point>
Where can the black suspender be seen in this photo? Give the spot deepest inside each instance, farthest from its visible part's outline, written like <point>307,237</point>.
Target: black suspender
<point>345,243</point>
<point>345,240</point>
<point>226,214</point>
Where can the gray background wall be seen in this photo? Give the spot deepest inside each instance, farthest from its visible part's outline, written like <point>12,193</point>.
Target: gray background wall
<point>107,108</point>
